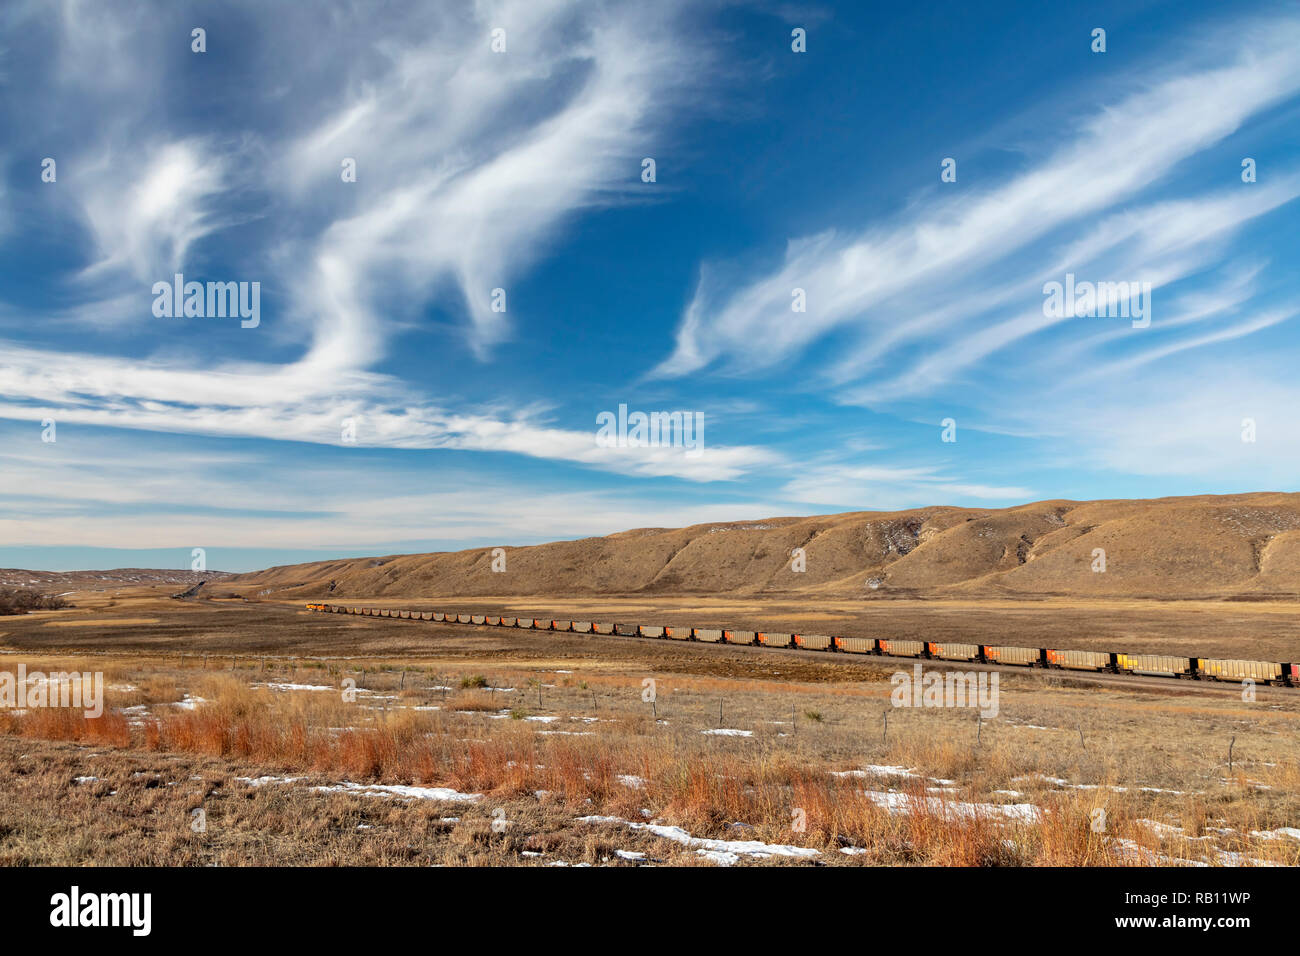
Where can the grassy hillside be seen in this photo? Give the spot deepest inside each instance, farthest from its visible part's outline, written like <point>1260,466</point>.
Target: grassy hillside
<point>1243,546</point>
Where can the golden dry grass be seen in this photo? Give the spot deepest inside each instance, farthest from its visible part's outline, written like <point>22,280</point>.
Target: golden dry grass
<point>603,750</point>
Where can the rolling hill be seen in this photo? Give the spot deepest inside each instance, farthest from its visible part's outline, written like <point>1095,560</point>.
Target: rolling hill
<point>1242,547</point>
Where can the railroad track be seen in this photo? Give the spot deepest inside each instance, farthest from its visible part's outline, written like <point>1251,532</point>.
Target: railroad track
<point>1004,655</point>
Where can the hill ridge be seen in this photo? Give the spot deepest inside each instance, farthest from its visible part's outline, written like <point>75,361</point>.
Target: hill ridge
<point>1244,546</point>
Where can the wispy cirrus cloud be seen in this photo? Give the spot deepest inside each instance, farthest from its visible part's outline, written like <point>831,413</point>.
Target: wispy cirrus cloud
<point>949,269</point>
<point>892,487</point>
<point>468,160</point>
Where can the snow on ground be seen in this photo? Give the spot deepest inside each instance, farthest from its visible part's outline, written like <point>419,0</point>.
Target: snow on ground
<point>877,770</point>
<point>398,790</point>
<point>1291,832</point>
<point>724,852</point>
<point>374,789</point>
<point>896,802</point>
<point>278,685</point>
<point>728,732</point>
<point>261,781</point>
<point>1065,784</point>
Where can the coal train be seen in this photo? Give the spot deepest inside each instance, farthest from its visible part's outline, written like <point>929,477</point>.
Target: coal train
<point>1148,665</point>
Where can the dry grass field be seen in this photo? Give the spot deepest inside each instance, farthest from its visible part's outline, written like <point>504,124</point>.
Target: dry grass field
<point>321,739</point>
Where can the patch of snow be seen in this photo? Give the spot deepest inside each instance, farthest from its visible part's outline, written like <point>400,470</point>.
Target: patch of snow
<point>705,846</point>
<point>903,803</point>
<point>399,790</point>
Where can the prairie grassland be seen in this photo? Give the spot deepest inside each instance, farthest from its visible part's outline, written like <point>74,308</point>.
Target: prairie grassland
<point>312,762</point>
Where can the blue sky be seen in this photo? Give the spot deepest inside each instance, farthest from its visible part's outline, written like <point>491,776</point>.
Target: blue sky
<point>521,170</point>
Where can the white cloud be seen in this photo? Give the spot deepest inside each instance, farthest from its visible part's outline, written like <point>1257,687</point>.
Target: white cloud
<point>891,488</point>
<point>925,276</point>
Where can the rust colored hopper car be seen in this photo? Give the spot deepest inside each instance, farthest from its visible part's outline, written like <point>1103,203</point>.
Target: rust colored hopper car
<point>1081,660</point>
<point>1154,665</point>
<point>856,645</point>
<point>893,648</point>
<point>814,642</point>
<point>1261,672</point>
<point>1010,654</point>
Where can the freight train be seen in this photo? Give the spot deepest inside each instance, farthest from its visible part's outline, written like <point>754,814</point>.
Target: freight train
<point>1149,665</point>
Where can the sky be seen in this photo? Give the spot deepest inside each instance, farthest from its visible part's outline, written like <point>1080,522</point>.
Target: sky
<point>827,231</point>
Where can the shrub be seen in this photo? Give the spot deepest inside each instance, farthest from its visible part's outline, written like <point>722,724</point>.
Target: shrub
<point>23,600</point>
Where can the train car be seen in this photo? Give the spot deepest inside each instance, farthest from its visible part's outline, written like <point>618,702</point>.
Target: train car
<point>738,637</point>
<point>1081,660</point>
<point>478,619</point>
<point>678,633</point>
<point>893,648</point>
<point>1261,672</point>
<point>627,630</point>
<point>814,642</point>
<point>598,628</point>
<point>404,615</point>
<point>649,630</point>
<point>561,625</point>
<point>954,651</point>
<point>492,621</point>
<point>540,625</point>
<point>709,635</point>
<point>856,645</point>
<point>1292,674</point>
<point>582,627</point>
<point>1009,654</point>
<point>775,639</point>
<point>510,622</point>
<point>1154,665</point>
<point>462,618</point>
